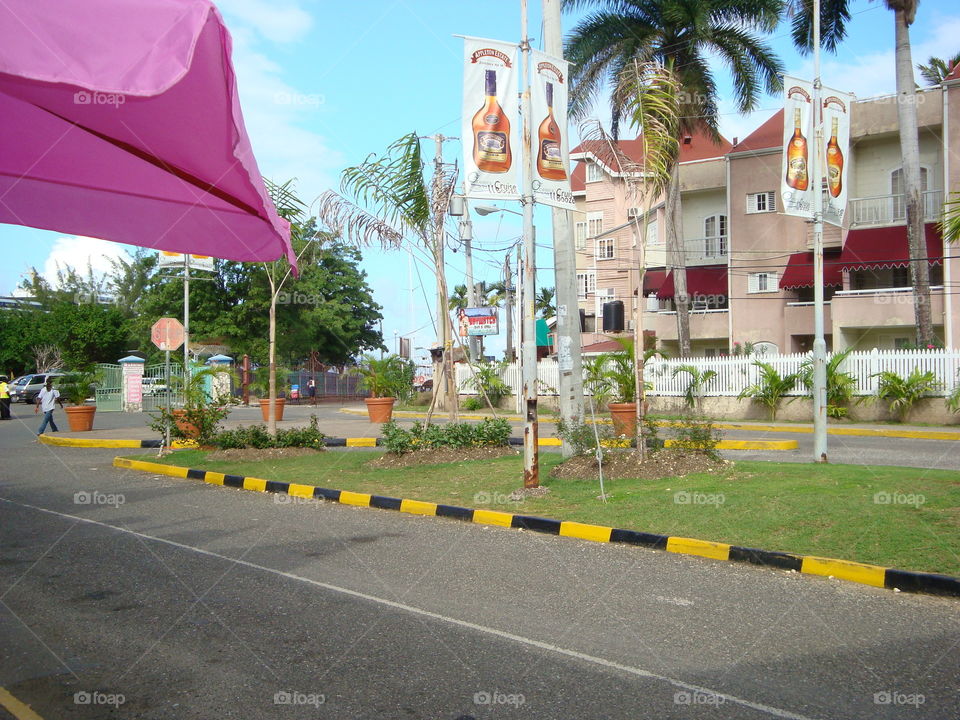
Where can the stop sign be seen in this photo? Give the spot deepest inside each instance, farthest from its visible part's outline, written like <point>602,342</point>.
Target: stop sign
<point>167,333</point>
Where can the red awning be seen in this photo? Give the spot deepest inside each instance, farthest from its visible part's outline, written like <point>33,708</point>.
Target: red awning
<point>886,247</point>
<point>653,280</point>
<point>799,271</point>
<point>704,280</point>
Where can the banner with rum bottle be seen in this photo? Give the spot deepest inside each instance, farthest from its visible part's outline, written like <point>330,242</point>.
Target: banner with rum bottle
<point>796,187</point>
<point>836,133</point>
<point>491,126</point>
<point>549,132</point>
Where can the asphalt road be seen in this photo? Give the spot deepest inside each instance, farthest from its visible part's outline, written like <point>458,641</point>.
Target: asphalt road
<point>184,600</point>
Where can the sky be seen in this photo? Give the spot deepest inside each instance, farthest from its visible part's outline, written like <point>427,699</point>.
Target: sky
<point>324,83</point>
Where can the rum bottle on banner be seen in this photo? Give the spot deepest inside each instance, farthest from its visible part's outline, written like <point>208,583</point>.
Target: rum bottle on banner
<point>834,163</point>
<point>491,132</point>
<point>549,153</point>
<point>797,156</point>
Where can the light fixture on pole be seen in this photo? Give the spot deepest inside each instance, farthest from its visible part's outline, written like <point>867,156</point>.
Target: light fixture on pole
<point>490,209</point>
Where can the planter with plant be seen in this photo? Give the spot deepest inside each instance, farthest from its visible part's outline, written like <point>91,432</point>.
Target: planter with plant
<point>261,386</point>
<point>386,379</point>
<point>200,416</point>
<point>614,375</point>
<point>771,387</point>
<point>75,388</point>
<point>901,394</point>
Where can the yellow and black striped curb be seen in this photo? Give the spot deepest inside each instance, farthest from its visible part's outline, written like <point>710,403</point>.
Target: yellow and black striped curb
<point>760,427</point>
<point>119,443</point>
<point>811,565</point>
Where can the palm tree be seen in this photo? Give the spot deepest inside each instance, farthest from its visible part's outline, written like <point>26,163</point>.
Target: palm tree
<point>687,36</point>
<point>459,300</point>
<point>937,69</point>
<point>545,302</point>
<point>834,15</point>
<point>387,202</point>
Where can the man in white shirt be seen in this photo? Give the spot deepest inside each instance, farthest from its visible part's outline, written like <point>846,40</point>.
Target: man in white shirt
<point>47,400</point>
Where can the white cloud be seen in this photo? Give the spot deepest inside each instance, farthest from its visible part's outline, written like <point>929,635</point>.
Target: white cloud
<point>277,21</point>
<point>80,253</point>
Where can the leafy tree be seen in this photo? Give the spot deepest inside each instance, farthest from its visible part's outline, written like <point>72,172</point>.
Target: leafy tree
<point>937,69</point>
<point>687,37</point>
<point>834,16</point>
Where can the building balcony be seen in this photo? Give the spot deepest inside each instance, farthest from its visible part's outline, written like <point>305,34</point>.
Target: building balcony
<point>707,251</point>
<point>892,209</point>
<point>704,324</point>
<point>798,318</point>
<point>880,308</point>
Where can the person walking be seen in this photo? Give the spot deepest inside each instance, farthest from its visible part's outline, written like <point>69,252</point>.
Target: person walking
<point>312,391</point>
<point>47,400</point>
<point>4,398</point>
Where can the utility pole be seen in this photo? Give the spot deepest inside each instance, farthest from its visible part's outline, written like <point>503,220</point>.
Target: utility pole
<point>466,234</point>
<point>447,378</point>
<point>508,303</point>
<point>531,460</point>
<point>569,360</point>
<point>819,342</point>
<point>186,318</point>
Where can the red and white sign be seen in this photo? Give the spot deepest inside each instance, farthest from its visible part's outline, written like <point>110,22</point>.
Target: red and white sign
<point>167,333</point>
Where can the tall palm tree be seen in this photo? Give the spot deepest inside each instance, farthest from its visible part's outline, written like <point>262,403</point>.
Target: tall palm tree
<point>459,299</point>
<point>834,15</point>
<point>937,69</point>
<point>545,302</point>
<point>687,36</point>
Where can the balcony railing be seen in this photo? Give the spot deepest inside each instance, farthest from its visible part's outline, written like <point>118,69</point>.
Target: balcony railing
<point>707,250</point>
<point>892,209</point>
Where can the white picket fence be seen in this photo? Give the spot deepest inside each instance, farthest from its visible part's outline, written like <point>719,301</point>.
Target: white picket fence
<point>736,373</point>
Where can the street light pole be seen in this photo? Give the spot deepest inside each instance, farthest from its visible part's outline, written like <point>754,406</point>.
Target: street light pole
<point>819,342</point>
<point>531,465</point>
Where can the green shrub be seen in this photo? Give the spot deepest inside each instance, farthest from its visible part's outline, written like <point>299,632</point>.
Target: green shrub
<point>395,439</point>
<point>901,394</point>
<point>489,432</point>
<point>471,404</point>
<point>697,432</point>
<point>256,436</point>
<point>771,388</point>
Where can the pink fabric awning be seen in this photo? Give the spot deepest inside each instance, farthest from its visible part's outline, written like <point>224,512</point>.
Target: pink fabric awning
<point>120,119</point>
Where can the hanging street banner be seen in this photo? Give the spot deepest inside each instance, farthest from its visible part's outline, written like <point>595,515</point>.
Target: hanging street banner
<point>796,187</point>
<point>836,130</point>
<point>172,259</point>
<point>491,127</point>
<point>551,149</point>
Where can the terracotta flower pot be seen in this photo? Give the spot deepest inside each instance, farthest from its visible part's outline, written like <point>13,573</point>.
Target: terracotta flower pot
<point>265,409</point>
<point>183,425</point>
<point>624,418</point>
<point>380,410</point>
<point>80,417</point>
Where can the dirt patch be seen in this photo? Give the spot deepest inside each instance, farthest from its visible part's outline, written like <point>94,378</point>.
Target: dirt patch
<point>440,455</point>
<point>261,453</point>
<point>663,464</point>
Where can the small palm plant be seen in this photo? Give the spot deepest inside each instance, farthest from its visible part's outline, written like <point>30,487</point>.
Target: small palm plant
<point>693,395</point>
<point>383,377</point>
<point>840,385</point>
<point>953,399</point>
<point>771,388</point>
<point>901,394</point>
<point>488,380</point>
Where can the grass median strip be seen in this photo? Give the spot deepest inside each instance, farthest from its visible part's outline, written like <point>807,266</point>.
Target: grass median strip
<point>889,516</point>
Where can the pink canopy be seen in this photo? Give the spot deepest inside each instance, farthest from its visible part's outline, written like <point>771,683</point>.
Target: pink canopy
<point>119,119</point>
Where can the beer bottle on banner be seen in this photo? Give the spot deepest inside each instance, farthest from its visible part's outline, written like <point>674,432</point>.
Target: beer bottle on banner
<point>797,156</point>
<point>491,132</point>
<point>549,154</point>
<point>834,162</point>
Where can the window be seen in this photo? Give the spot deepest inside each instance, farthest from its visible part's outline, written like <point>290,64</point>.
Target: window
<point>901,277</point>
<point>594,172</point>
<point>586,284</point>
<point>653,234</point>
<point>634,212</point>
<point>604,295</point>
<point>580,235</point>
<point>902,343</point>
<point>762,202</point>
<point>605,248</point>
<point>762,282</point>
<point>715,235</point>
<point>896,189</point>
<point>594,224</point>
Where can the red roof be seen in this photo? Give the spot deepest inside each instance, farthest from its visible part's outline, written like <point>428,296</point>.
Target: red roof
<point>700,146</point>
<point>768,135</point>
<point>578,178</point>
<point>886,247</point>
<point>703,280</point>
<point>955,73</point>
<point>799,271</point>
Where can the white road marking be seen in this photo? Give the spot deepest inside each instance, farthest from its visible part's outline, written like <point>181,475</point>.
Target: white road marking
<point>629,669</point>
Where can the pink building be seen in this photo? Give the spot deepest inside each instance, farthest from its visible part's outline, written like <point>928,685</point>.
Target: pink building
<point>749,267</point>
